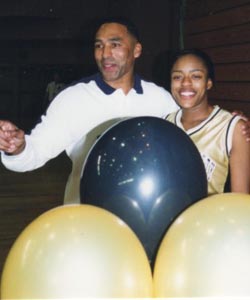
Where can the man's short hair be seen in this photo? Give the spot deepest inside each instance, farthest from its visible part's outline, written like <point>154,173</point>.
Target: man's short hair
<point>132,29</point>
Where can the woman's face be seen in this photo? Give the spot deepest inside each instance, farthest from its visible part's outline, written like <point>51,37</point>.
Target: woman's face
<point>189,81</point>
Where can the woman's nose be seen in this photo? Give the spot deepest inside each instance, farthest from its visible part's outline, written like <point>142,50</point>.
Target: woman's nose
<point>186,81</point>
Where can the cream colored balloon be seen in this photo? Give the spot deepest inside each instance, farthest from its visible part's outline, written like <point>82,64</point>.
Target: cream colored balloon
<point>206,251</point>
<point>76,251</point>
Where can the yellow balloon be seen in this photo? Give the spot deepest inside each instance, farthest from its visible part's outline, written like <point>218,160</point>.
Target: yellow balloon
<point>206,251</point>
<point>76,251</point>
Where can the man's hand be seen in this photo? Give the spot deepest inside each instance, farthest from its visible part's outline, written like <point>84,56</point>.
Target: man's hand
<point>12,140</point>
<point>245,129</point>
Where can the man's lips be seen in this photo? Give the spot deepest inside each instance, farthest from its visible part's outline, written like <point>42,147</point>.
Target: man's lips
<point>108,65</point>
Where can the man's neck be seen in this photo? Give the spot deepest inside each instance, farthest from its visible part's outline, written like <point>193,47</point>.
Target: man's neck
<point>126,84</point>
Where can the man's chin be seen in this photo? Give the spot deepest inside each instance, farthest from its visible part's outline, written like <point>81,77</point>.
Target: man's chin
<point>109,78</point>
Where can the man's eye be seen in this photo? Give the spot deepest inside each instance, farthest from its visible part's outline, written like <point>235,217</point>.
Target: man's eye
<point>98,46</point>
<point>115,45</point>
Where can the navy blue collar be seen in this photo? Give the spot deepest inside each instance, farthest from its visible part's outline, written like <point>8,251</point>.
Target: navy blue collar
<point>107,89</point>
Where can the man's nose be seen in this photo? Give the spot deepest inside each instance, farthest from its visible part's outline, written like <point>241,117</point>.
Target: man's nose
<point>106,51</point>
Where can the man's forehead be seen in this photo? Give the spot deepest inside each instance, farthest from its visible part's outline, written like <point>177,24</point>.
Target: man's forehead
<point>111,30</point>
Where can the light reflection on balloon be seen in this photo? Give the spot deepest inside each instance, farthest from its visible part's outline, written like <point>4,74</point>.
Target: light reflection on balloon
<point>146,186</point>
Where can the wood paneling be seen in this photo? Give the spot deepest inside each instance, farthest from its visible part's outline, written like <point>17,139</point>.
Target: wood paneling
<point>222,29</point>
<point>200,8</point>
<point>232,54</point>
<point>222,19</point>
<point>230,105</point>
<point>231,91</point>
<point>229,36</point>
<point>227,72</point>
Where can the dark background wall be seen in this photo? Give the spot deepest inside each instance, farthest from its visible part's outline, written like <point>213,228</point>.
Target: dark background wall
<point>38,37</point>
<point>222,29</point>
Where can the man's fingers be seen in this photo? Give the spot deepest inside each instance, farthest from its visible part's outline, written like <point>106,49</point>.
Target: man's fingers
<point>7,146</point>
<point>7,126</point>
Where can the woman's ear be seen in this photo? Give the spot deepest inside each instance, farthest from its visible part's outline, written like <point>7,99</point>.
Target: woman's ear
<point>209,84</point>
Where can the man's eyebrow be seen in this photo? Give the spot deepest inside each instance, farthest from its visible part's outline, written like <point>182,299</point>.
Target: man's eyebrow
<point>117,38</point>
<point>113,39</point>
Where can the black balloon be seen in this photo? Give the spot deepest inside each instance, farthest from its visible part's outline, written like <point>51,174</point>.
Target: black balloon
<point>146,171</point>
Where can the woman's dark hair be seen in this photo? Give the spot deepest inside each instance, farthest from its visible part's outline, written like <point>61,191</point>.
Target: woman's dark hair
<point>200,54</point>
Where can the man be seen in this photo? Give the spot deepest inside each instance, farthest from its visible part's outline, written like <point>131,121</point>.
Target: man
<point>81,112</point>
<point>53,88</point>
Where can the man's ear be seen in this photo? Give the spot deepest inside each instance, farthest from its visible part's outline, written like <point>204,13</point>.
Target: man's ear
<point>209,84</point>
<point>137,50</point>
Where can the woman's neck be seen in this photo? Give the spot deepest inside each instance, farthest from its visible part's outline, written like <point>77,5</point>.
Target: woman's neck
<point>192,117</point>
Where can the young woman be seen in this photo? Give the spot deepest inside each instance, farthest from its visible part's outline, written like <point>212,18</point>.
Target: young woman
<point>216,132</point>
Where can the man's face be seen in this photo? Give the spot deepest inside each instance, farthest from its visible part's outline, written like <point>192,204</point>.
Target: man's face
<point>115,52</point>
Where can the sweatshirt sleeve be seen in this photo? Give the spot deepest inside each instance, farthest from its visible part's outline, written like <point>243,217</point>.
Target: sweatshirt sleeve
<point>57,130</point>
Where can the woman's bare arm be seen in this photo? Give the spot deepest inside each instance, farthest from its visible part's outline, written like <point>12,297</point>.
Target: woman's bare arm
<point>240,161</point>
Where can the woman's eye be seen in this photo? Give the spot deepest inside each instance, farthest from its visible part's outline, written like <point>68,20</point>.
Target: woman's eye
<point>176,77</point>
<point>197,76</point>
